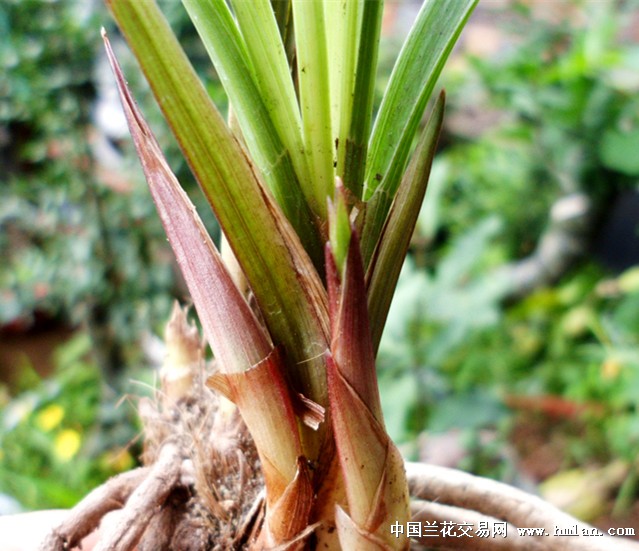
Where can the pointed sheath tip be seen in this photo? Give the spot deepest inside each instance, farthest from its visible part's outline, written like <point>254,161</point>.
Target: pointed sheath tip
<point>103,33</point>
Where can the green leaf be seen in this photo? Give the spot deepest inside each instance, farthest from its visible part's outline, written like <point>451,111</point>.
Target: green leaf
<point>313,79</point>
<point>387,260</point>
<point>342,39</point>
<point>272,75</point>
<point>355,147</point>
<point>256,78</point>
<point>620,151</point>
<point>286,285</point>
<point>418,67</point>
<point>284,17</point>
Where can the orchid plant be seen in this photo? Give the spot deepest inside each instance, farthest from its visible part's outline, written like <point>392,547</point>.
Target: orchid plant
<point>317,199</point>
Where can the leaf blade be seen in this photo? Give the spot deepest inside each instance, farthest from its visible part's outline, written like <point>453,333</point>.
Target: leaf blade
<point>418,67</point>
<point>313,79</point>
<point>386,263</point>
<point>355,146</point>
<point>342,41</point>
<point>274,147</point>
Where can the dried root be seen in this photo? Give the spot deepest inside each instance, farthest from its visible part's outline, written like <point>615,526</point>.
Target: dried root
<point>443,494</point>
<point>199,491</point>
<point>85,517</point>
<point>126,529</point>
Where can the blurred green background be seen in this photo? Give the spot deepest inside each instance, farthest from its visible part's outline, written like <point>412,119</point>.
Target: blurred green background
<point>512,346</point>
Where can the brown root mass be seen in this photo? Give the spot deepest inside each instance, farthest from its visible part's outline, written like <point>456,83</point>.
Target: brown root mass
<point>200,488</point>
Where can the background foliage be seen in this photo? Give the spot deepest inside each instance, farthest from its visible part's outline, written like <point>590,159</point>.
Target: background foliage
<point>554,112</point>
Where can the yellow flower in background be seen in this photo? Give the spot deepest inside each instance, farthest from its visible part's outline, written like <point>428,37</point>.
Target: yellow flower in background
<point>611,368</point>
<point>119,460</point>
<point>49,418</point>
<point>66,444</point>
